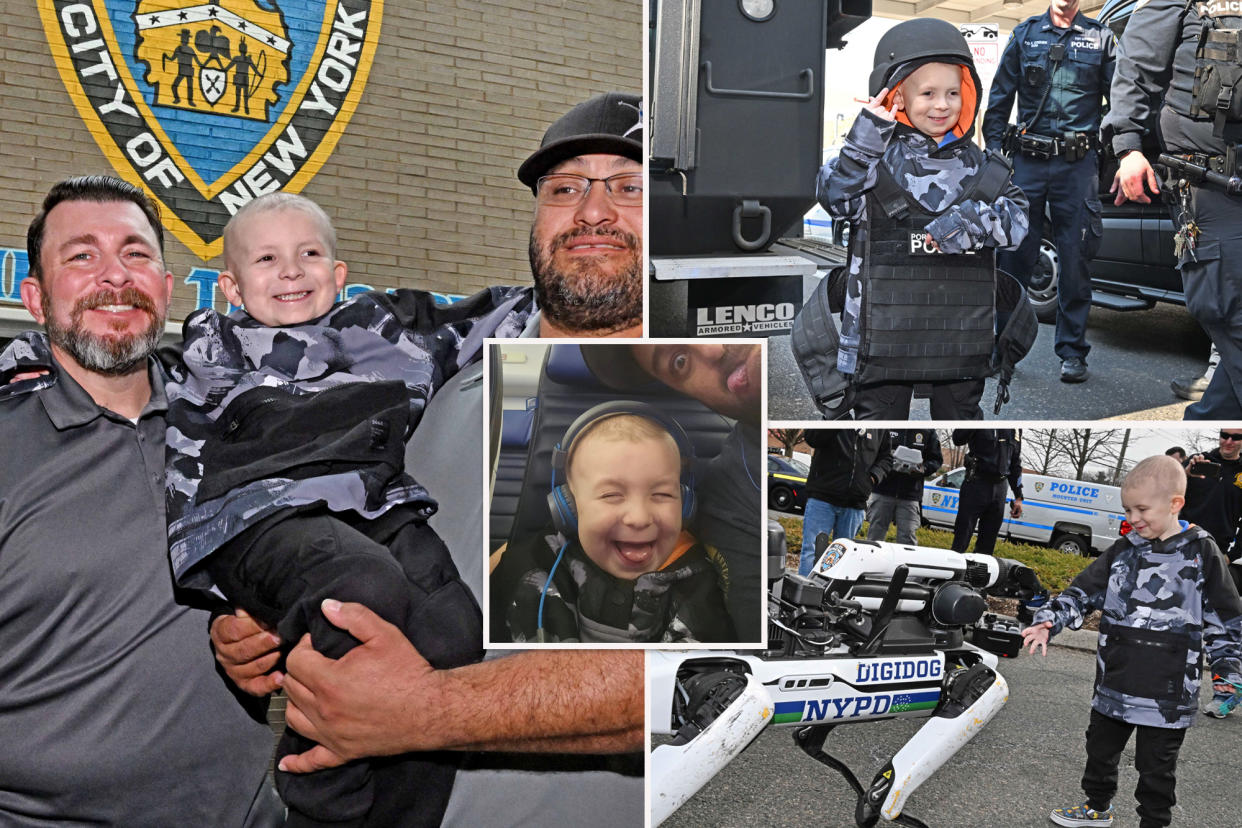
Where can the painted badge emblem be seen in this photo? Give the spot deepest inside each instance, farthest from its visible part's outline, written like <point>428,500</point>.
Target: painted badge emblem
<point>208,105</point>
<point>832,556</point>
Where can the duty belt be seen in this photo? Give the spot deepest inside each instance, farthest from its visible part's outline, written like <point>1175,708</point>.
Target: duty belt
<point>1045,146</point>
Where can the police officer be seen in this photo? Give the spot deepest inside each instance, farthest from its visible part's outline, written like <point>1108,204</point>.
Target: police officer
<point>1060,64</point>
<point>1214,493</point>
<point>896,498</point>
<point>1201,126</point>
<point>995,456</point>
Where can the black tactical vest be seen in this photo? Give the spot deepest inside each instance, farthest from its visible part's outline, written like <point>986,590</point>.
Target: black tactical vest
<point>1215,96</point>
<point>926,316</point>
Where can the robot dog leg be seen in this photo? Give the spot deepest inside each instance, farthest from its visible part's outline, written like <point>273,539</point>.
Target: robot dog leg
<point>972,697</point>
<point>730,710</point>
<point>876,631</point>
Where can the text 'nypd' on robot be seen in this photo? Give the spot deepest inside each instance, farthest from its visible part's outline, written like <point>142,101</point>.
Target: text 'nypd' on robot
<point>876,631</point>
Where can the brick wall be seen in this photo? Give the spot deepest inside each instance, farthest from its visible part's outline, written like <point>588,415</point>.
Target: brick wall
<point>421,183</point>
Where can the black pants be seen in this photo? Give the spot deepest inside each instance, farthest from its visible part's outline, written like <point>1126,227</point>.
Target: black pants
<point>1211,279</point>
<point>891,400</point>
<point>981,503</point>
<point>1155,758</point>
<point>282,568</point>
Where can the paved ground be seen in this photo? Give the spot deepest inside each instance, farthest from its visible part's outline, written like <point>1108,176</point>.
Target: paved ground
<point>1027,761</point>
<point>1133,358</point>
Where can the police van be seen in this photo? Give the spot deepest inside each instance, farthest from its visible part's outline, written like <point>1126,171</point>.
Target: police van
<point>1074,516</point>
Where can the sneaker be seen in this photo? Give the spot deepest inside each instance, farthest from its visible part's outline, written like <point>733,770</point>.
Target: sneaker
<point>1191,389</point>
<point>1074,369</point>
<point>1223,704</point>
<point>1082,815</point>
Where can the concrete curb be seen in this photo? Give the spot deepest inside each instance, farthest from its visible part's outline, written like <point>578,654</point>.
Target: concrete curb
<point>1085,640</point>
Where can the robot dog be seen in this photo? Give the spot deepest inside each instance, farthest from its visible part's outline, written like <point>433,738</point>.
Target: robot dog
<point>877,631</point>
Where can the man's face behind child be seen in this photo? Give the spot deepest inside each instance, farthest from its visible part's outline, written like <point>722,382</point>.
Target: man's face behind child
<point>281,269</point>
<point>932,98</point>
<point>628,496</point>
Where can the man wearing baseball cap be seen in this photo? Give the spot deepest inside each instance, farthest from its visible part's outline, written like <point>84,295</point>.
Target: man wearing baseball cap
<point>727,377</point>
<point>586,245</point>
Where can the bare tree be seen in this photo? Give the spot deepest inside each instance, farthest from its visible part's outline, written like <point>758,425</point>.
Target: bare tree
<point>788,438</point>
<point>1119,468</point>
<point>1064,452</point>
<point>1039,452</point>
<point>1086,446</point>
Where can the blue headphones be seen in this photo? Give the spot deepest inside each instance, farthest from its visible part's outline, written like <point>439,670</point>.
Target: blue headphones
<point>561,501</point>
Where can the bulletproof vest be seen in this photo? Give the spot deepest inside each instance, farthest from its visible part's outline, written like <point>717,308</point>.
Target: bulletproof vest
<point>926,316</point>
<point>1215,96</point>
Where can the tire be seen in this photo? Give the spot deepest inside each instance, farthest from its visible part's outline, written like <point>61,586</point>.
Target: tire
<point>1042,291</point>
<point>1073,545</point>
<point>781,498</point>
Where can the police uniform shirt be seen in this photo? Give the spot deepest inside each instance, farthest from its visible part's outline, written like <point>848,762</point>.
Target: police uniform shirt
<point>909,486</point>
<point>998,453</point>
<point>1079,81</point>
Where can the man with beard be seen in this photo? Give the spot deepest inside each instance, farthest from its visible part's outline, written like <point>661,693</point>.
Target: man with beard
<point>586,242</point>
<point>106,682</point>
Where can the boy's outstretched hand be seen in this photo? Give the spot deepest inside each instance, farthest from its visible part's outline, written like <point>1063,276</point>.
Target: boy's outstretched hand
<point>877,108</point>
<point>1036,635</point>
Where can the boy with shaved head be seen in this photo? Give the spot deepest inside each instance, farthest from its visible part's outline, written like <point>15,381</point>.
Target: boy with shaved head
<point>1166,602</point>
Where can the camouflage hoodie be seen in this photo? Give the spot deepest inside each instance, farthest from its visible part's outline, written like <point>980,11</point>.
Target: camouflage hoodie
<point>262,419</point>
<point>681,602</point>
<point>935,176</point>
<point>1165,605</point>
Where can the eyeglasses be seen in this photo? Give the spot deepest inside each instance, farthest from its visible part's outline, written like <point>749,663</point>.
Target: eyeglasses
<point>565,190</point>
<point>1228,435</point>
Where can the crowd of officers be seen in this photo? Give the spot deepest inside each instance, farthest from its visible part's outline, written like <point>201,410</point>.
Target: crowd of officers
<point>878,475</point>
<point>1170,86</point>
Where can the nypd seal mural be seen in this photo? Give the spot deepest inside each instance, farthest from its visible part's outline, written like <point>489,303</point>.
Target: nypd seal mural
<point>208,105</point>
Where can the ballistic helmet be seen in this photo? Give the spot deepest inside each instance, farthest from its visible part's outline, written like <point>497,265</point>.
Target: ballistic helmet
<point>912,43</point>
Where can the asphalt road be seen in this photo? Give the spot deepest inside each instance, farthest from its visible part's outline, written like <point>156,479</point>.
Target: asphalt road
<point>1027,761</point>
<point>1133,358</point>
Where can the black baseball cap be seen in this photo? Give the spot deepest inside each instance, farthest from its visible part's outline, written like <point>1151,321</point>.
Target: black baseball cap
<point>610,123</point>
<point>615,367</point>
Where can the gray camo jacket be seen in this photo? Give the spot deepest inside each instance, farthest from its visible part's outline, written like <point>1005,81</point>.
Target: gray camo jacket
<point>294,396</point>
<point>1165,606</point>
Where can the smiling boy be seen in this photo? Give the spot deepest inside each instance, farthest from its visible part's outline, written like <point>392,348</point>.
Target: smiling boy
<point>285,474</point>
<point>281,264</point>
<point>1166,603</point>
<point>927,211</point>
<point>625,570</point>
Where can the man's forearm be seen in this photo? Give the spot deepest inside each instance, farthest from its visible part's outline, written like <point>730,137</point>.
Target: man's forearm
<point>622,741</point>
<point>549,701</point>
